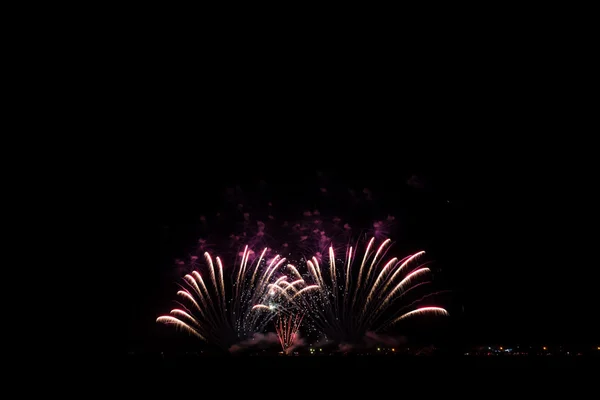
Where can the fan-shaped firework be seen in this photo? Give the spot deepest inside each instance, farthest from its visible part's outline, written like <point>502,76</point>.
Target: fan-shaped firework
<point>287,328</point>
<point>356,294</point>
<point>224,314</point>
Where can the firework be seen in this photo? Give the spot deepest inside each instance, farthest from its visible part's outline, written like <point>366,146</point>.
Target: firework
<point>284,298</point>
<point>359,293</point>
<point>225,314</point>
<point>287,328</point>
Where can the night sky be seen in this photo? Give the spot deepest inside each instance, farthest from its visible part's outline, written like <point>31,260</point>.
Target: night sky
<point>508,208</point>
<point>501,228</point>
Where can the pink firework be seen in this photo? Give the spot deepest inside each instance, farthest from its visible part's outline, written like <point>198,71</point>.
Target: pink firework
<point>287,328</point>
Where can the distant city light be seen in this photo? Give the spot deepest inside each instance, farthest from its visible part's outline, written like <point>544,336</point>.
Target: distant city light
<point>545,348</point>
<point>395,349</point>
<point>501,348</point>
<point>378,349</point>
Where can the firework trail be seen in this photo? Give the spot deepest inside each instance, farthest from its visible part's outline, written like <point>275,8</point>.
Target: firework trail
<point>225,317</point>
<point>284,298</point>
<point>289,307</point>
<point>287,330</point>
<point>353,295</point>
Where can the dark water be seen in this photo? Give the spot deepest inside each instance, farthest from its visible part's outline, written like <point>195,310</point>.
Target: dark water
<point>249,363</point>
<point>355,377</point>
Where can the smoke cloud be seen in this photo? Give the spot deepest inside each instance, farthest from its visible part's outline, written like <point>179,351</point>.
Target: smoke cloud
<point>258,339</point>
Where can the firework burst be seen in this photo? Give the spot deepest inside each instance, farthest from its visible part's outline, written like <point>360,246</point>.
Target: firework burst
<point>355,294</point>
<point>225,314</point>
